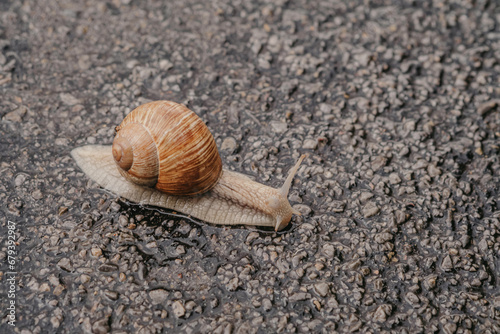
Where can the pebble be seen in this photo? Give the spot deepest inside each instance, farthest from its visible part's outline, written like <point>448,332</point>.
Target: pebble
<point>337,206</point>
<point>379,162</point>
<point>278,127</point>
<point>310,144</point>
<point>37,194</point>
<point>486,107</point>
<point>160,296</point>
<point>370,209</point>
<point>19,180</point>
<point>394,178</point>
<point>288,87</point>
<point>178,309</point>
<point>16,115</point>
<point>447,263</point>
<point>322,289</point>
<point>298,296</point>
<point>229,145</point>
<point>433,171</point>
<point>412,298</point>
<point>69,99</point>
<point>65,264</point>
<point>382,312</point>
<point>96,252</point>
<point>252,236</point>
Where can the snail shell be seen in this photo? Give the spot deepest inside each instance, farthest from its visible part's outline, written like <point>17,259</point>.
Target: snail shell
<point>163,144</point>
<point>234,199</point>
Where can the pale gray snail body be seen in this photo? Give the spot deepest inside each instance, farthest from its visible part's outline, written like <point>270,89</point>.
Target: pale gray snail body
<point>164,155</point>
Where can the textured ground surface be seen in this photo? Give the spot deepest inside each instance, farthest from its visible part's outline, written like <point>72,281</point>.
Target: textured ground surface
<point>397,105</point>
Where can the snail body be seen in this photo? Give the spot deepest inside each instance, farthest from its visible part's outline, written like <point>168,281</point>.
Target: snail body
<point>216,195</point>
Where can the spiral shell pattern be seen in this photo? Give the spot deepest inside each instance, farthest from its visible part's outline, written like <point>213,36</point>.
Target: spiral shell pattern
<point>165,145</point>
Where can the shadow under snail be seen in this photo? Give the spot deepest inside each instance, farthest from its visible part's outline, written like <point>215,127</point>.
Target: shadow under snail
<point>164,155</point>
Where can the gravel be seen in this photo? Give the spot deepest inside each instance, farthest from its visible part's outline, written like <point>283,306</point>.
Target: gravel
<point>395,103</point>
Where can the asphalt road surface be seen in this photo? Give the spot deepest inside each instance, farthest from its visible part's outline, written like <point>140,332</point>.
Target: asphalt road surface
<point>397,105</point>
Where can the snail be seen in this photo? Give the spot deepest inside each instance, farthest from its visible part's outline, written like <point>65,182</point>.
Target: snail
<point>164,155</point>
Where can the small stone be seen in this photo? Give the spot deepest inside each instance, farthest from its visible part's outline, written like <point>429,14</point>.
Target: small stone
<point>256,47</point>
<point>16,115</point>
<point>322,289</point>
<point>19,180</point>
<point>379,162</point>
<point>233,114</point>
<point>252,236</point>
<point>303,209</point>
<point>115,207</point>
<point>179,250</point>
<point>298,296</point>
<point>476,282</point>
<point>37,194</point>
<point>158,296</point>
<point>62,210</point>
<point>123,220</point>
<point>69,99</point>
<point>420,164</point>
<point>404,151</point>
<point>487,107</point>
<point>111,295</point>
<point>55,321</point>
<point>229,145</point>
<point>101,326</point>
<point>132,63</point>
<point>84,278</point>
<point>401,216</point>
<point>278,127</point>
<point>328,250</point>
<point>178,308</point>
<point>84,62</point>
<point>431,282</point>
<point>266,304</point>
<point>165,64</point>
<point>371,209</point>
<point>383,237</point>
<point>365,196</point>
<point>382,312</point>
<point>450,328</point>
<point>61,142</point>
<point>412,298</point>
<point>337,206</point>
<point>325,108</point>
<point>496,302</point>
<point>264,61</point>
<point>288,87</point>
<point>44,287</point>
<point>65,264</point>
<point>447,263</point>
<point>394,178</point>
<point>483,245</point>
<point>310,144</point>
<point>96,252</point>
<point>363,58</point>
<point>233,284</point>
<point>433,170</point>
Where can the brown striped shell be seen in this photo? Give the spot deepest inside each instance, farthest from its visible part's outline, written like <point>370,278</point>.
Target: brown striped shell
<point>163,144</point>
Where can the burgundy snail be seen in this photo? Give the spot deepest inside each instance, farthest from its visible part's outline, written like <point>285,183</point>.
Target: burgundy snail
<point>164,155</point>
